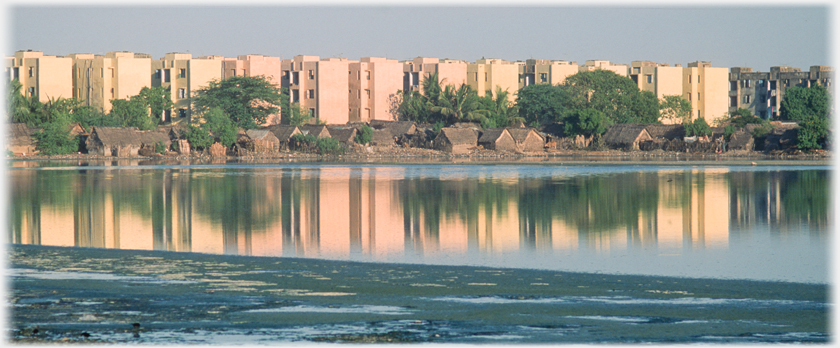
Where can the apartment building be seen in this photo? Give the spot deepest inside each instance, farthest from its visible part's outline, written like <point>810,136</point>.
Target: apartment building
<point>99,79</point>
<point>183,75</point>
<point>44,77</point>
<point>762,92</point>
<point>253,65</point>
<point>706,87</point>
<point>450,72</point>
<point>592,65</point>
<point>487,74</point>
<point>320,86</point>
<point>373,83</point>
<point>552,72</point>
<point>659,78</point>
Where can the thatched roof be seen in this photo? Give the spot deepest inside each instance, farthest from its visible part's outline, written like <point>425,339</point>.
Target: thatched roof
<point>260,134</point>
<point>319,130</point>
<point>520,134</point>
<point>460,136</point>
<point>121,136</point>
<point>21,135</point>
<point>343,134</point>
<point>283,132</point>
<point>396,128</point>
<point>741,140</point>
<point>491,135</point>
<point>382,137</point>
<point>624,133</point>
<point>666,131</point>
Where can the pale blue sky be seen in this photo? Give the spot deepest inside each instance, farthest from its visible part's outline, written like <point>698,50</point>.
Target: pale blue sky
<point>743,35</point>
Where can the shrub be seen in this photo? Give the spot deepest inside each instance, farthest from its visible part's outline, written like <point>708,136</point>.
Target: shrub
<point>365,135</point>
<point>160,148</point>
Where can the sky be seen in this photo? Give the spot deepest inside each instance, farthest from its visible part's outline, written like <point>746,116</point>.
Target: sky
<point>752,34</point>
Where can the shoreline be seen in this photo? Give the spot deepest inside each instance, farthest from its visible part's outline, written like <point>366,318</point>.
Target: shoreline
<point>395,155</point>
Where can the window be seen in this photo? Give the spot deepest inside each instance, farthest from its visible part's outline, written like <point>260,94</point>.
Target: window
<point>157,74</point>
<point>698,113</point>
<point>112,72</point>
<point>415,79</point>
<point>167,115</point>
<point>182,113</point>
<point>485,76</point>
<point>112,93</point>
<point>300,66</point>
<point>543,77</point>
<point>367,113</point>
<point>15,73</point>
<point>166,75</point>
<point>745,83</point>
<point>698,96</point>
<point>310,94</point>
<point>773,84</point>
<point>421,67</point>
<point>312,112</point>
<point>182,93</point>
<point>689,96</point>
<point>733,102</point>
<point>102,72</point>
<point>311,74</point>
<point>637,70</point>
<point>689,78</point>
<point>360,94</point>
<point>476,77</point>
<point>733,85</point>
<point>182,73</point>
<point>232,72</point>
<point>787,82</point>
<point>746,99</point>
<point>31,91</point>
<point>295,96</point>
<point>31,71</point>
<point>367,93</point>
<point>295,78</point>
<point>649,78</point>
<point>368,74</point>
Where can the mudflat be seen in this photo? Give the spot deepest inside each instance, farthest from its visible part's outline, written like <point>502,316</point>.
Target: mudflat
<point>84,295</point>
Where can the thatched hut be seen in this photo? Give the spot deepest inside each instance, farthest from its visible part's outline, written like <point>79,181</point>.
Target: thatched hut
<point>527,139</point>
<point>262,141</point>
<point>382,137</point>
<point>283,133</point>
<point>344,135</point>
<point>741,140</point>
<point>397,128</point>
<point>497,139</point>
<point>626,136</point>
<point>123,141</point>
<point>318,130</point>
<point>456,140</point>
<point>665,131</point>
<point>21,140</point>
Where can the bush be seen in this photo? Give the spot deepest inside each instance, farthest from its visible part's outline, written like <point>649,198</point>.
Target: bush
<point>312,143</point>
<point>328,146</point>
<point>160,148</point>
<point>365,135</point>
<point>727,132</point>
<point>55,138</point>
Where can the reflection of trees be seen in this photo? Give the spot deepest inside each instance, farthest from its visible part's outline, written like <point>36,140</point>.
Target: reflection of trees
<point>787,198</point>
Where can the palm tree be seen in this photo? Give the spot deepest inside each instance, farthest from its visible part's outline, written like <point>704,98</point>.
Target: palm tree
<point>460,104</point>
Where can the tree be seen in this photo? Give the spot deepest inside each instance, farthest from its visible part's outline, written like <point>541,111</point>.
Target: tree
<point>699,128</point>
<point>459,104</point>
<point>132,113</point>
<point>55,138</point>
<point>675,109</point>
<point>811,107</point>
<point>221,126</point>
<point>247,100</point>
<point>365,135</point>
<point>500,112</point>
<point>586,122</point>
<point>19,107</point>
<point>616,96</point>
<point>157,99</point>
<point>292,113</point>
<point>542,104</point>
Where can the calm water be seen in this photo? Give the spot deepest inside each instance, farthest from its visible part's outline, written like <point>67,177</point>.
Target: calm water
<point>752,222</point>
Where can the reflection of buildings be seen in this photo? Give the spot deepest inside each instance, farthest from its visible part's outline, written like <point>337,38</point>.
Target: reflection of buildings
<point>380,213</point>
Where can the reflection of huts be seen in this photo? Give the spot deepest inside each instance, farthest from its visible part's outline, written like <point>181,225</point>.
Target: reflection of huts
<point>344,135</point>
<point>527,139</point>
<point>21,141</point>
<point>318,130</point>
<point>497,139</point>
<point>262,141</point>
<point>123,141</point>
<point>283,133</point>
<point>740,140</point>
<point>456,140</point>
<point>626,136</point>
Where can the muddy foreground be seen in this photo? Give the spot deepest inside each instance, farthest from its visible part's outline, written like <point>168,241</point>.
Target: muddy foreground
<point>78,295</point>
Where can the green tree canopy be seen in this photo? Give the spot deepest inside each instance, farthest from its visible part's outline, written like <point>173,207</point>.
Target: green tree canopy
<point>500,111</point>
<point>616,96</point>
<point>541,104</point>
<point>247,100</point>
<point>55,138</point>
<point>292,113</point>
<point>811,107</point>
<point>157,99</point>
<point>699,127</point>
<point>587,122</point>
<point>675,109</point>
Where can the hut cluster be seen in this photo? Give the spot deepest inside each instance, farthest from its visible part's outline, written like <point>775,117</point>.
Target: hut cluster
<point>460,138</point>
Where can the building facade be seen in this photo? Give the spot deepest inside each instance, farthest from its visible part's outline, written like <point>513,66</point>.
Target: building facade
<point>552,72</point>
<point>183,75</point>
<point>450,72</point>
<point>706,88</point>
<point>43,77</point>
<point>117,75</point>
<point>373,84</point>
<point>762,92</point>
<point>488,74</point>
<point>319,86</point>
